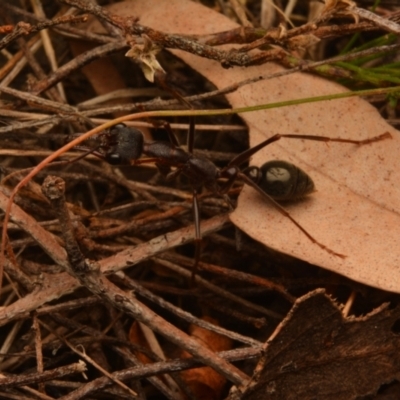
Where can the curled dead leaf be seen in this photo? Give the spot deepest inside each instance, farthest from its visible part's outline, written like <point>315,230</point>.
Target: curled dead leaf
<point>302,42</point>
<point>145,55</point>
<point>205,383</point>
<point>339,7</point>
<point>136,336</point>
<point>316,353</point>
<point>331,5</point>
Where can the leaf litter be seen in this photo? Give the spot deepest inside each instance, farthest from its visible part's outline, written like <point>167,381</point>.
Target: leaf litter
<point>314,352</point>
<point>326,356</point>
<point>355,210</point>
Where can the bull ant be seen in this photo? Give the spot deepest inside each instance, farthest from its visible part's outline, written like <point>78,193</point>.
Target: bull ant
<point>275,181</point>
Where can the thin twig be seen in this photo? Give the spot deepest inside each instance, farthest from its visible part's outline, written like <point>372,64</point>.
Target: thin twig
<point>36,377</point>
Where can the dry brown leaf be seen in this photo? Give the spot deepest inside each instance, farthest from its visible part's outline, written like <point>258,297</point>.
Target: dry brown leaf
<point>101,73</point>
<point>136,336</point>
<point>355,210</point>
<point>204,382</point>
<point>315,353</point>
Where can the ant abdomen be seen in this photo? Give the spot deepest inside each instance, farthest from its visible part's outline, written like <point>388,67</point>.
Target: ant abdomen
<point>284,181</point>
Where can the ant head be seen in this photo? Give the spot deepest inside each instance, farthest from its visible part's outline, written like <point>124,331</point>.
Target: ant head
<point>122,144</point>
<point>284,181</point>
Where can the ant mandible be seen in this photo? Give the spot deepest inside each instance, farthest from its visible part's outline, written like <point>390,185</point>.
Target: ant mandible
<point>274,181</point>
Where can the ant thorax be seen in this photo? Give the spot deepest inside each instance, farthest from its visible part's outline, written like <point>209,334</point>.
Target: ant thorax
<point>166,153</point>
<point>202,172</point>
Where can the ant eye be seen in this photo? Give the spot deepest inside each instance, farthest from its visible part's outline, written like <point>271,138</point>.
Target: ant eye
<point>119,126</point>
<point>113,159</point>
<point>117,129</point>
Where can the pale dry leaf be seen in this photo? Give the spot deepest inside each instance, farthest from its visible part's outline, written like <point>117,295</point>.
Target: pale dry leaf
<point>339,8</point>
<point>331,5</point>
<point>356,209</point>
<point>302,42</point>
<point>145,55</point>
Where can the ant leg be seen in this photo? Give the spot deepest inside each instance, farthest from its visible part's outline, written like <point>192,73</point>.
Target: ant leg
<point>190,137</point>
<point>55,163</point>
<point>141,161</point>
<point>374,139</point>
<point>86,152</point>
<point>197,240</point>
<point>271,201</point>
<point>160,79</point>
<point>171,135</point>
<point>243,157</point>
